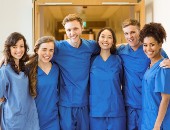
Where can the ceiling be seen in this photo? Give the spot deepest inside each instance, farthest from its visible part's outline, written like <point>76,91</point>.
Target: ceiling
<point>88,9</point>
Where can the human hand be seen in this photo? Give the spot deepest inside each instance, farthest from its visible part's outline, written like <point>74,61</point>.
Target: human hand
<point>165,63</point>
<point>3,61</point>
<point>2,100</point>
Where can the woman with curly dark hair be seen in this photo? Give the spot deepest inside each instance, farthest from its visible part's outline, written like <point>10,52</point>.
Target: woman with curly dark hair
<point>156,90</point>
<point>43,78</point>
<point>18,109</point>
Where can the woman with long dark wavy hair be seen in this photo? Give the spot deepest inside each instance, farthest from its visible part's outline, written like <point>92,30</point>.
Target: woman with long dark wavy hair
<point>18,109</point>
<point>43,77</point>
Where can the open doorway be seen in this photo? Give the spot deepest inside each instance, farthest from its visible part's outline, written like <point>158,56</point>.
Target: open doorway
<point>48,18</point>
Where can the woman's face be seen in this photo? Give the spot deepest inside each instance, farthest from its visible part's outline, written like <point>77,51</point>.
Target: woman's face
<point>151,47</point>
<point>105,40</point>
<point>18,50</point>
<point>45,52</point>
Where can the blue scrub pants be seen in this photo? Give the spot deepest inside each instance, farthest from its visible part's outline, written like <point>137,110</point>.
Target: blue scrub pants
<point>51,125</point>
<point>74,118</point>
<point>108,123</point>
<point>133,118</point>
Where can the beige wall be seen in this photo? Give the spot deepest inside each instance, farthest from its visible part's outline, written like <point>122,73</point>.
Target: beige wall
<point>15,15</point>
<point>116,20</point>
<point>157,11</point>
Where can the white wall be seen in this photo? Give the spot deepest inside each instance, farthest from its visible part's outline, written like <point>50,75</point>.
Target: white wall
<point>15,16</point>
<point>160,14</point>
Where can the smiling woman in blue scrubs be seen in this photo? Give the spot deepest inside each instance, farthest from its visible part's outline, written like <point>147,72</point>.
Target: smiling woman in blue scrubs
<point>43,77</point>
<point>18,109</point>
<point>107,111</point>
<point>156,87</point>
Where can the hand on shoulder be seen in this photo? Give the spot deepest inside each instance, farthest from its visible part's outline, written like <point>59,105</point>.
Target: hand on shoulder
<point>165,63</point>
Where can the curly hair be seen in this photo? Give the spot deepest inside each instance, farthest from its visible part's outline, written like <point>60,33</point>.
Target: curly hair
<point>154,30</point>
<point>113,48</point>
<point>11,40</point>
<point>72,17</point>
<point>33,64</point>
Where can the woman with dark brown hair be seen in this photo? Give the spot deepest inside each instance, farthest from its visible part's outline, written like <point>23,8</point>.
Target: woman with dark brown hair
<point>18,109</point>
<point>155,84</point>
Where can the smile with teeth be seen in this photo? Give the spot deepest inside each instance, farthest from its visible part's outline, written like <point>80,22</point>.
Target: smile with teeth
<point>149,53</point>
<point>19,54</point>
<point>105,44</point>
<point>46,57</point>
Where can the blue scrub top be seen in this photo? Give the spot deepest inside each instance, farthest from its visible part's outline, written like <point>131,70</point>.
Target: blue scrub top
<point>74,64</point>
<point>135,64</point>
<point>19,110</point>
<point>47,98</point>
<point>106,98</point>
<point>155,81</point>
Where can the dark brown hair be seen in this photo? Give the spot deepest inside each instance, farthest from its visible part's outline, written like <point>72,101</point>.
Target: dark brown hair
<point>33,63</point>
<point>113,48</point>
<point>154,30</point>
<point>11,40</point>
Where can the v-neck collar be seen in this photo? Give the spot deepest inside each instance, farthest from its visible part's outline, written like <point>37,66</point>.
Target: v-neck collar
<point>41,72</point>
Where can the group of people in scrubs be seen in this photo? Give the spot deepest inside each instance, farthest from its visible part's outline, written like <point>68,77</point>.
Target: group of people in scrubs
<point>79,84</point>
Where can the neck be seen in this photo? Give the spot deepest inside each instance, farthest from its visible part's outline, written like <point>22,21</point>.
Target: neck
<point>154,60</point>
<point>105,54</point>
<point>43,64</point>
<point>74,44</point>
<point>46,67</point>
<point>137,46</point>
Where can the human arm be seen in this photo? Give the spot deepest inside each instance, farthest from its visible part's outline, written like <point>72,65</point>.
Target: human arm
<point>118,45</point>
<point>162,110</point>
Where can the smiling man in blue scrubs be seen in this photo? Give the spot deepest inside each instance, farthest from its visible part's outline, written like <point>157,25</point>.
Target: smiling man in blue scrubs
<point>73,58</point>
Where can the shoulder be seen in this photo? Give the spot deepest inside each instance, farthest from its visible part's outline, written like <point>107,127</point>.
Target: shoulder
<point>122,47</point>
<point>93,58</point>
<point>89,42</point>
<point>164,71</point>
<point>55,65</point>
<point>59,43</point>
<point>5,70</point>
<point>116,59</point>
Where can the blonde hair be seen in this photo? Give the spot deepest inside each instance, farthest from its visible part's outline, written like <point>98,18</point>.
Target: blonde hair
<point>129,22</point>
<point>72,17</point>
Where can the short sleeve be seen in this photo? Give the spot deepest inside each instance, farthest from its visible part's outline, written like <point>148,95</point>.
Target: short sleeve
<point>2,82</point>
<point>162,81</point>
<point>94,46</point>
<point>120,48</point>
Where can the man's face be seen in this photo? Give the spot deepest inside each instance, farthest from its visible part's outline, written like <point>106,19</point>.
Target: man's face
<point>131,34</point>
<point>73,30</point>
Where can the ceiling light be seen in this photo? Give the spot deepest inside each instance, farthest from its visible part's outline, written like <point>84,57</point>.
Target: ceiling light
<point>115,3</point>
<point>59,3</point>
